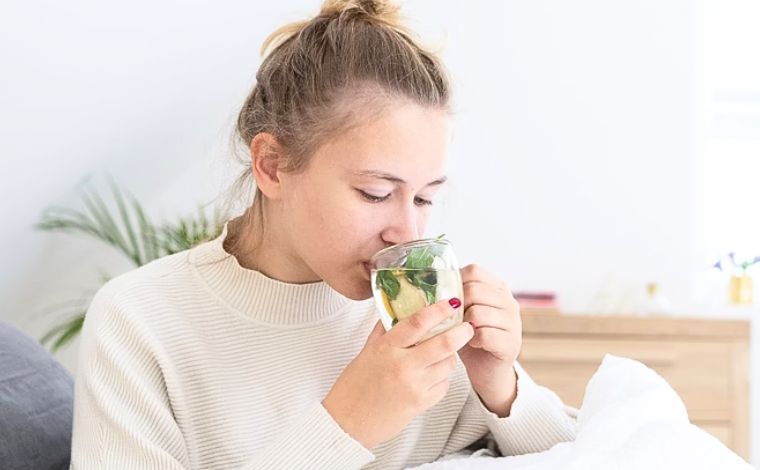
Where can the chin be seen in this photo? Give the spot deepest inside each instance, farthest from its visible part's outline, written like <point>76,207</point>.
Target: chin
<point>355,289</point>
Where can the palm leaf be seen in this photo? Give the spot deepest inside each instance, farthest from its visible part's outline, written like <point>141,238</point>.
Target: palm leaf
<point>126,221</point>
<point>99,211</point>
<point>73,329</point>
<point>133,234</point>
<point>186,233</point>
<point>69,220</point>
<point>64,333</point>
<point>148,232</point>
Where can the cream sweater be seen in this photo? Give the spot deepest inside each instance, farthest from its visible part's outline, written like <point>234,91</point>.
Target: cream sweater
<point>193,362</point>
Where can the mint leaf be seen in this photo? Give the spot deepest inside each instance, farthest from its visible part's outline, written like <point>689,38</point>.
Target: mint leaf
<point>422,257</point>
<point>419,258</point>
<point>428,289</point>
<point>418,264</point>
<point>426,281</point>
<point>388,283</point>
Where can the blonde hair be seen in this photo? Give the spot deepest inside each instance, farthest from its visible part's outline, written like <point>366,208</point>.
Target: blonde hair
<point>318,76</point>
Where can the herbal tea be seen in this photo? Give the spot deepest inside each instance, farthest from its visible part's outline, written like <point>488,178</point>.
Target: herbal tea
<point>414,276</point>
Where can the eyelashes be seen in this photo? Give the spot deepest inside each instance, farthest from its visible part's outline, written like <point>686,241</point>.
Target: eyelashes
<point>372,198</point>
<point>378,199</point>
<point>422,202</point>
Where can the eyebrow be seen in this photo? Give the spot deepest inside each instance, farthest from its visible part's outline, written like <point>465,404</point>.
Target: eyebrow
<point>395,179</point>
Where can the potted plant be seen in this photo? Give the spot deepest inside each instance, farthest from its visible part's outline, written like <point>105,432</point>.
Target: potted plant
<point>124,225</point>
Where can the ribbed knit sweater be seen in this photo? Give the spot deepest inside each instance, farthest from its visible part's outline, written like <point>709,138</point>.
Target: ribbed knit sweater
<point>194,362</point>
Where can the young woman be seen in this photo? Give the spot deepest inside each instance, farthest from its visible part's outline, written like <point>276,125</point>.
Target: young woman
<point>262,349</point>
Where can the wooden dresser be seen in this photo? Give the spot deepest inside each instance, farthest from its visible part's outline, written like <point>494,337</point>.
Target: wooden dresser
<point>706,361</point>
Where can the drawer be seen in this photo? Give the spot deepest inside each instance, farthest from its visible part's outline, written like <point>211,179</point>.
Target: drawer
<point>698,370</point>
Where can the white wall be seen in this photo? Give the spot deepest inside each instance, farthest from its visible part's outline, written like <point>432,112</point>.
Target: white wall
<point>575,143</point>
<point>573,155</point>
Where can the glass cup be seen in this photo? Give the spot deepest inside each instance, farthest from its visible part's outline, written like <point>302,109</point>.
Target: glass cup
<point>410,276</point>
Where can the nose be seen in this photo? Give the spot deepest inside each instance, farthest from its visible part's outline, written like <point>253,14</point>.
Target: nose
<point>404,226</point>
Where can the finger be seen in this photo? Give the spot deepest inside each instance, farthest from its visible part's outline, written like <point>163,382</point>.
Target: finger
<point>377,332</point>
<point>443,345</point>
<point>478,293</point>
<point>441,370</point>
<point>497,342</point>
<point>483,316</point>
<point>436,392</point>
<point>475,272</point>
<point>411,330</point>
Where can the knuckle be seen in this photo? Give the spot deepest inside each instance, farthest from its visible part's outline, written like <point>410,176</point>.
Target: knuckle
<point>469,289</point>
<point>475,269</point>
<point>443,309</point>
<point>468,269</point>
<point>417,321</point>
<point>450,341</point>
<point>474,313</point>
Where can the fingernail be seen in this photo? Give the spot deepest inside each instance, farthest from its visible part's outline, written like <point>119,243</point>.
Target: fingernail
<point>455,303</point>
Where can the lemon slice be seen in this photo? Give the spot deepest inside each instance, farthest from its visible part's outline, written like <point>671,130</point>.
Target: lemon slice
<point>387,305</point>
<point>409,300</point>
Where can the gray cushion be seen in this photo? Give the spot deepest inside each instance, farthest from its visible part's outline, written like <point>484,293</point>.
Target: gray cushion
<point>36,401</point>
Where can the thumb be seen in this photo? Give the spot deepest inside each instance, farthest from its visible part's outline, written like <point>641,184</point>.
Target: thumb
<point>377,332</point>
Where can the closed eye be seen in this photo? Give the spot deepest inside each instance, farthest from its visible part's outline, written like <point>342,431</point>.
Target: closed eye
<point>423,202</point>
<point>419,201</point>
<point>372,198</point>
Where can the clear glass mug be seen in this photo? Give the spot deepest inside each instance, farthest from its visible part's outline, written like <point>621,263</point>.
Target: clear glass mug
<point>410,276</point>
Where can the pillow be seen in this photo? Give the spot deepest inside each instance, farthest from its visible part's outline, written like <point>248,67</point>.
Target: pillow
<point>630,419</point>
<point>36,401</point>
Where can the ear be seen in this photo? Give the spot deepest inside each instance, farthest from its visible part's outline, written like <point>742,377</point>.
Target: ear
<point>266,159</point>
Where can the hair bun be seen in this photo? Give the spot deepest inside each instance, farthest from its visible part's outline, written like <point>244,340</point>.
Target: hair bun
<point>382,10</point>
<point>377,7</point>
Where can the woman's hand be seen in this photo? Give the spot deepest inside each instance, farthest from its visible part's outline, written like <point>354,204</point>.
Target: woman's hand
<point>394,379</point>
<point>490,355</point>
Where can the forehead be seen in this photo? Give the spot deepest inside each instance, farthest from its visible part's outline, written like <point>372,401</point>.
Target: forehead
<point>404,139</point>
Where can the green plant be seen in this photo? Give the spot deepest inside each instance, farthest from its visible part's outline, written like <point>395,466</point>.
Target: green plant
<point>125,226</point>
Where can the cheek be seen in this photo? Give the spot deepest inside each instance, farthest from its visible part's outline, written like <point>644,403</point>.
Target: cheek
<point>358,221</point>
<point>336,219</point>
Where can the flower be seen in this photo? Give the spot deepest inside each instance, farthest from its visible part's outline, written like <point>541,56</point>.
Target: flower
<point>729,262</point>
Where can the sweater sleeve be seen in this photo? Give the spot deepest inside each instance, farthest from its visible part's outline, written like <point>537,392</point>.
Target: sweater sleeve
<point>537,421</point>
<point>123,417</point>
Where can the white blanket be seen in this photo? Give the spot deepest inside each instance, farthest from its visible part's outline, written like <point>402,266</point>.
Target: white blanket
<point>630,419</point>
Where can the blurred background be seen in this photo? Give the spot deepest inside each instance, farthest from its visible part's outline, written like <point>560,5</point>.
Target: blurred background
<point>605,157</point>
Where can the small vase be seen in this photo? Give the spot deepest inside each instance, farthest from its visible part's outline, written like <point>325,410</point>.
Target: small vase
<point>740,290</point>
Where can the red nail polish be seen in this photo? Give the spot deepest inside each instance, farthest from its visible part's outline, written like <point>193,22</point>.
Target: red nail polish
<point>455,303</point>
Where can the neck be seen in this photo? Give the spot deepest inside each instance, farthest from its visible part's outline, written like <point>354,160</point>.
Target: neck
<point>265,249</point>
